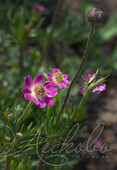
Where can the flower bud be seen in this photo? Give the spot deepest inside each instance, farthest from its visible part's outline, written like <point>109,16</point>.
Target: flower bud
<point>38,8</point>
<point>27,28</point>
<point>98,143</point>
<point>19,135</point>
<point>95,16</point>
<point>68,104</point>
<point>7,139</point>
<point>10,116</point>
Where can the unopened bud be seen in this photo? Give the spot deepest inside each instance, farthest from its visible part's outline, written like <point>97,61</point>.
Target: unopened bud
<point>10,116</point>
<point>95,16</point>
<point>68,104</point>
<point>19,135</point>
<point>27,28</point>
<point>7,139</point>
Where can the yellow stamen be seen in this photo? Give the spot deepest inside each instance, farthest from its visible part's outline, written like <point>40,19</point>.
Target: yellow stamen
<point>39,90</point>
<point>58,77</point>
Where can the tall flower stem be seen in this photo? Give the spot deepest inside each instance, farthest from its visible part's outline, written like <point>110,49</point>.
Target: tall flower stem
<point>78,108</point>
<point>54,22</point>
<point>77,72</point>
<point>24,114</point>
<point>21,56</point>
<point>41,161</point>
<point>43,157</point>
<point>8,162</point>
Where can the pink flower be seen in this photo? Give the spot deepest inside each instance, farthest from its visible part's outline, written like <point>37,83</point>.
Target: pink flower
<point>101,87</point>
<point>10,116</point>
<point>98,143</point>
<point>19,135</point>
<point>58,78</point>
<point>37,91</point>
<point>38,8</point>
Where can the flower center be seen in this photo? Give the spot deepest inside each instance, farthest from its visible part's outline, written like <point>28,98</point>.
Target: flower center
<point>39,90</point>
<point>58,77</point>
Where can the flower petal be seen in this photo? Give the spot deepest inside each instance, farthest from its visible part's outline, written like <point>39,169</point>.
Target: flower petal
<point>30,97</point>
<point>28,82</point>
<point>82,89</point>
<point>49,101</point>
<point>99,88</point>
<point>41,103</point>
<point>54,83</point>
<point>61,85</point>
<point>47,84</point>
<point>55,70</point>
<point>65,76</point>
<point>38,79</point>
<point>51,92</point>
<point>49,75</point>
<point>25,90</point>
<point>90,74</point>
<point>84,78</point>
<point>66,82</point>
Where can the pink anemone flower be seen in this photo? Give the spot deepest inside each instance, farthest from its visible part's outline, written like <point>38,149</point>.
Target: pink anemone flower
<point>37,91</point>
<point>101,87</point>
<point>58,78</point>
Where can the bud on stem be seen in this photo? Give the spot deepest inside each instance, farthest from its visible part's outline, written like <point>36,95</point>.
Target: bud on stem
<point>95,16</point>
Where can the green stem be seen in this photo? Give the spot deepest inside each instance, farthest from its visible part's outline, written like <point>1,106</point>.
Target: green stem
<point>24,114</point>
<point>54,22</point>
<point>9,158</point>
<point>8,162</point>
<point>77,73</point>
<point>41,161</point>
<point>78,108</point>
<point>43,157</point>
<point>21,56</point>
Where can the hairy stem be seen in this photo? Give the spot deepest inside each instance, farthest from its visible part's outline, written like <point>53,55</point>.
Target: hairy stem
<point>43,158</point>
<point>78,108</point>
<point>77,72</point>
<point>21,56</point>
<point>8,162</point>
<point>41,161</point>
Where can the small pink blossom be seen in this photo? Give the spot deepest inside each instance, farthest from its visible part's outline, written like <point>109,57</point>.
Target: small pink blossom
<point>58,78</point>
<point>19,135</point>
<point>98,143</point>
<point>10,116</point>
<point>39,8</point>
<point>37,91</point>
<point>101,87</point>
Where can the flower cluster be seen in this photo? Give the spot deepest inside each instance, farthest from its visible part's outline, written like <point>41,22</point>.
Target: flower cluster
<point>40,92</point>
<point>101,87</point>
<point>38,8</point>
